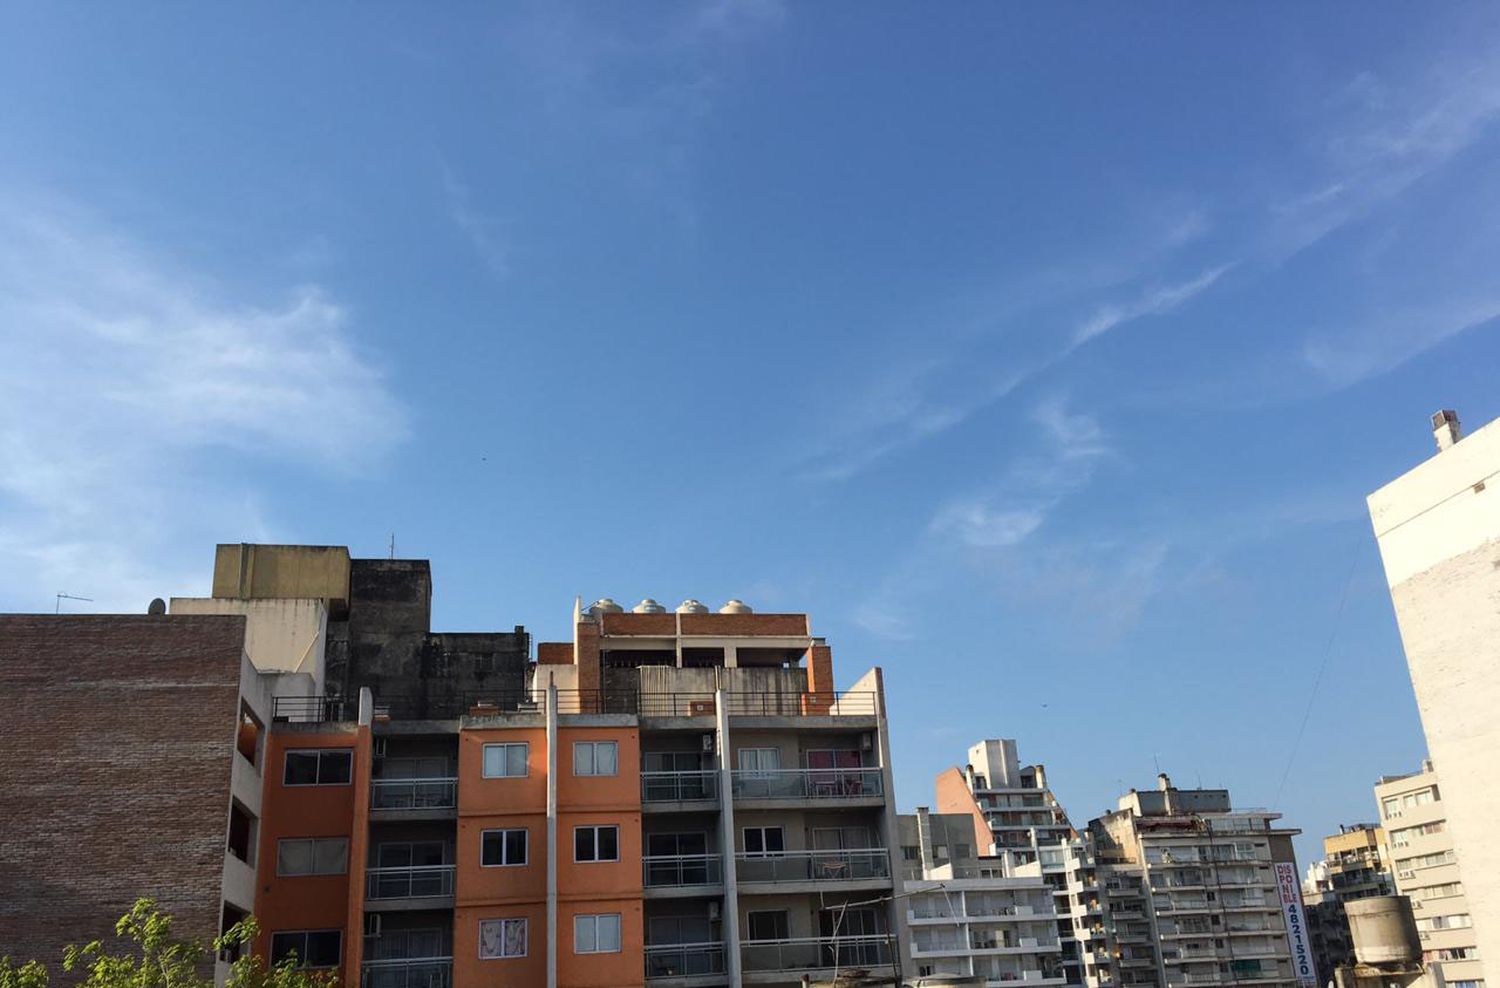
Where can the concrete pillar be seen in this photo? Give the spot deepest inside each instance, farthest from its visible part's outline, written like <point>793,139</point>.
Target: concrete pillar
<point>552,933</point>
<point>731,918</point>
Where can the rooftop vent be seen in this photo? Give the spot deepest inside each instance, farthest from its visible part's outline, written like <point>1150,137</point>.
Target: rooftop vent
<point>1445,428</point>
<point>648,606</point>
<point>736,606</point>
<point>691,606</point>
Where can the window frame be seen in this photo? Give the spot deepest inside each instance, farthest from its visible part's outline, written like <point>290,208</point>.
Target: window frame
<point>593,749</point>
<point>484,762</point>
<point>596,827</point>
<point>763,830</point>
<point>785,924</point>
<point>525,833</point>
<point>502,920</point>
<point>594,919</point>
<point>313,843</point>
<point>302,955</point>
<point>322,754</point>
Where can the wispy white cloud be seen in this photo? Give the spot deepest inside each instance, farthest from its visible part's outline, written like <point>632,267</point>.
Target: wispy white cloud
<point>1153,302</point>
<point>484,233</point>
<point>129,389</point>
<point>1390,339</point>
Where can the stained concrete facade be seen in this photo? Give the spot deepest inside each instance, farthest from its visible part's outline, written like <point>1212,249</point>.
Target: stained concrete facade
<point>1438,527</point>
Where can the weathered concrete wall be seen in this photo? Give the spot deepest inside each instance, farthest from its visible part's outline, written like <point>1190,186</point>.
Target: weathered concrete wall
<point>281,634</point>
<point>118,734</point>
<point>251,571</point>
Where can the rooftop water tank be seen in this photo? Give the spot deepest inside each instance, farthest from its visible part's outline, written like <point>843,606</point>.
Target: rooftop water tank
<point>1383,930</point>
<point>648,606</point>
<point>605,606</point>
<point>736,606</point>
<point>691,606</point>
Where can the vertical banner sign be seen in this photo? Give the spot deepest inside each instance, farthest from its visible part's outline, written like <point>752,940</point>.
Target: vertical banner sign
<point>1296,926</point>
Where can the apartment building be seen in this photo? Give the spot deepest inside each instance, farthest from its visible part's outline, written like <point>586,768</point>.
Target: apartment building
<point>1355,865</point>
<point>1018,822</point>
<point>1214,897</point>
<point>1438,527</point>
<point>673,798</point>
<point>133,747</point>
<point>967,918</point>
<point>1424,859</point>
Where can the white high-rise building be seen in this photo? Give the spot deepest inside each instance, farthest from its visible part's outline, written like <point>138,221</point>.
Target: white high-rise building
<point>1438,526</point>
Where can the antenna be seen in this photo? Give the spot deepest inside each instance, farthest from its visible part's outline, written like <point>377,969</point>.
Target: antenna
<point>67,596</point>
<point>393,545</point>
<point>1155,760</point>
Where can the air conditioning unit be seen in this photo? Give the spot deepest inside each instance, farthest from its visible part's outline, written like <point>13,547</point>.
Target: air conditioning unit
<point>708,743</point>
<point>713,909</point>
<point>378,747</point>
<point>372,924</point>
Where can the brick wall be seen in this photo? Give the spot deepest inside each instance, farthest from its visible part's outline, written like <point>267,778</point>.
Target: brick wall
<point>117,734</point>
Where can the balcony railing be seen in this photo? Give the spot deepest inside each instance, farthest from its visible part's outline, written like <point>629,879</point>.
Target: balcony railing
<point>421,882</point>
<point>665,704</point>
<point>671,787</point>
<point>814,866</point>
<point>684,960</point>
<point>666,871</point>
<point>413,972</point>
<point>815,953</point>
<point>414,794</point>
<point>808,783</point>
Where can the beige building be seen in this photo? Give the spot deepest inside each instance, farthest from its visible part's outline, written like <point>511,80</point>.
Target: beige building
<point>1414,811</point>
<point>1438,526</point>
<point>1221,904</point>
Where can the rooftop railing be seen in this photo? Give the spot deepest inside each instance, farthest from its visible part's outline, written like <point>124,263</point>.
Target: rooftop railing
<point>318,709</point>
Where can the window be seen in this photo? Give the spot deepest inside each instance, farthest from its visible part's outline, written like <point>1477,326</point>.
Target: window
<point>964,851</point>
<point>312,948</point>
<point>502,847</point>
<point>596,934</point>
<point>1391,807</point>
<point>911,852</point>
<point>329,767</point>
<point>596,843</point>
<point>506,761</point>
<point>312,856</point>
<point>767,924</point>
<point>760,760</point>
<point>501,938</point>
<point>764,841</point>
<point>595,758</point>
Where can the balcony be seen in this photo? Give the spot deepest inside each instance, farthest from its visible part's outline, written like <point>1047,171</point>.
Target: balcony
<point>684,960</point>
<point>816,953</point>
<point>423,882</point>
<point>411,972</point>
<point>862,865</point>
<point>682,870</point>
<point>834,784</point>
<point>414,796</point>
<point>680,787</point>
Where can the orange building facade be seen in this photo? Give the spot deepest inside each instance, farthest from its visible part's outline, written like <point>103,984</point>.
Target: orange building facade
<point>671,800</point>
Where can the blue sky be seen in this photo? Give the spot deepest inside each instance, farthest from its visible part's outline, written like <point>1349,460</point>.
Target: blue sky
<point>1043,354</point>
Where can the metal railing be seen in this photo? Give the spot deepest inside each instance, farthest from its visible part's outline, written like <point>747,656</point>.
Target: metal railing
<point>414,794</point>
<point>814,866</point>
<point>448,706</point>
<point>666,871</point>
<point>808,783</point>
<point>308,709</point>
<point>411,972</point>
<point>417,882</point>
<point>814,953</point>
<point>668,787</point>
<point>684,960</point>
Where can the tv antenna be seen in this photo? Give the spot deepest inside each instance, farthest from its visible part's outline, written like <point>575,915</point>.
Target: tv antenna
<point>393,546</point>
<point>67,596</point>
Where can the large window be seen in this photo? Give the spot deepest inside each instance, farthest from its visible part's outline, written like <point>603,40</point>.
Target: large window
<point>506,761</point>
<point>312,948</point>
<point>763,841</point>
<point>596,843</point>
<point>501,938</point>
<point>766,924</point>
<point>325,767</point>
<point>312,856</point>
<point>502,847</point>
<point>596,934</point>
<point>596,758</point>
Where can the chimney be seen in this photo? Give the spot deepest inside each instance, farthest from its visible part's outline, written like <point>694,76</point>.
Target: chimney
<point>1163,782</point>
<point>1445,428</point>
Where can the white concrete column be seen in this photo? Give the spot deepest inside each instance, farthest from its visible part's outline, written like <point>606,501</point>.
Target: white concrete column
<point>731,917</point>
<point>552,932</point>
